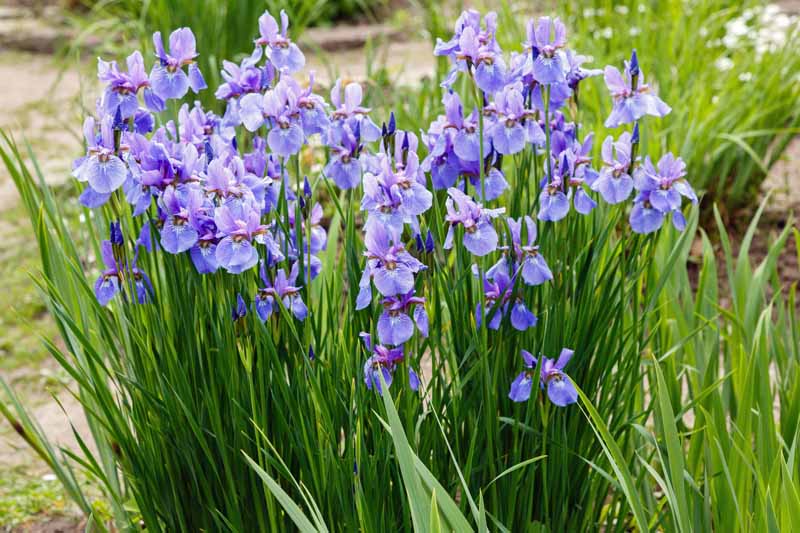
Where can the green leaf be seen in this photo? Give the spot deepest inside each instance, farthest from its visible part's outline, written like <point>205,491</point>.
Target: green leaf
<point>292,509</point>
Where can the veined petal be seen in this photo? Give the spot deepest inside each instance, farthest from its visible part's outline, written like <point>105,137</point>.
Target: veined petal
<point>521,388</point>
<point>482,241</point>
<point>169,85</point>
<point>394,329</point>
<point>105,176</point>
<point>561,391</point>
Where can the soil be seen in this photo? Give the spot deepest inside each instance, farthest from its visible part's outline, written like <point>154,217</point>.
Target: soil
<point>52,525</point>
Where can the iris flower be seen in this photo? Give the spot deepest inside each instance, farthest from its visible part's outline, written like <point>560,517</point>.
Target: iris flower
<point>167,77</point>
<point>559,386</point>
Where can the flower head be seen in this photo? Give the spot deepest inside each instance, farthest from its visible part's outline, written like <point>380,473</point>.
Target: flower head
<point>102,167</point>
<point>546,37</point>
<point>282,288</point>
<point>660,191</point>
<point>559,386</point>
<point>395,325</point>
<point>382,362</point>
<point>474,50</point>
<point>281,51</point>
<point>167,77</point>
<point>531,262</point>
<point>615,182</point>
<point>122,88</point>
<point>631,102</point>
<point>389,266</point>
<point>480,237</point>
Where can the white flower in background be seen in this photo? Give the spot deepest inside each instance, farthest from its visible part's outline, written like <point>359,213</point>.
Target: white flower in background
<point>724,64</point>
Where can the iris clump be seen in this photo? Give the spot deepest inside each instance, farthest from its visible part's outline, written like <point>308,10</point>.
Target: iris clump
<point>295,264</point>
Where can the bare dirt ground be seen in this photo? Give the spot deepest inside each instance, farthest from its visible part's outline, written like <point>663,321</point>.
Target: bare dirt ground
<point>41,104</point>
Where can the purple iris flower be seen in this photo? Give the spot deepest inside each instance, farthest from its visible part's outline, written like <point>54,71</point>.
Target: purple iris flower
<point>383,362</point>
<point>181,207</point>
<point>441,161</point>
<point>350,111</point>
<point>453,145</point>
<point>239,311</point>
<point>278,107</point>
<point>546,38</point>
<point>141,282</point>
<point>313,226</point>
<point>283,289</point>
<point>615,182</point>
<point>281,51</point>
<point>559,386</point>
<point>660,192</point>
<point>108,284</point>
<point>475,50</point>
<point>154,169</point>
<point>514,126</point>
<point>463,130</point>
<point>203,253</point>
<point>573,171</point>
<point>389,266</point>
<point>167,76</point>
<point>239,225</point>
<point>221,182</point>
<point>197,125</point>
<point>494,181</point>
<point>553,202</point>
<point>498,294</point>
<point>480,237</point>
<point>575,71</point>
<point>631,104</point>
<point>122,88</point>
<point>313,109</point>
<point>582,173</point>
<point>533,265</point>
<point>102,168</point>
<point>395,325</point>
<point>240,79</point>
<point>397,193</point>
<point>344,166</point>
